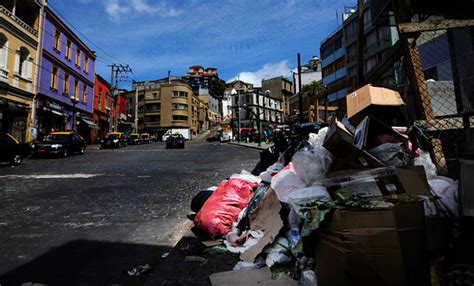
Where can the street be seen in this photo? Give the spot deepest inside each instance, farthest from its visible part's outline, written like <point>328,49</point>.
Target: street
<point>87,219</point>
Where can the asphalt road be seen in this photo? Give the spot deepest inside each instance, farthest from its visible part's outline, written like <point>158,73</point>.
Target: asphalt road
<point>87,219</point>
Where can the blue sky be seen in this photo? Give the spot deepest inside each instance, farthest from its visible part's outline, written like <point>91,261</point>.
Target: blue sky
<point>252,38</point>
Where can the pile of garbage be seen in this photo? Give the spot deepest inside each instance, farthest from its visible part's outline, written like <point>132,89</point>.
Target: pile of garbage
<point>344,204</point>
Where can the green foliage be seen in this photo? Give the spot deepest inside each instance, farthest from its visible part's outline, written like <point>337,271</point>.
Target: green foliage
<point>217,87</point>
<point>314,87</point>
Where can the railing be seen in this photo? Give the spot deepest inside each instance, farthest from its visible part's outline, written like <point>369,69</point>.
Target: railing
<point>18,20</point>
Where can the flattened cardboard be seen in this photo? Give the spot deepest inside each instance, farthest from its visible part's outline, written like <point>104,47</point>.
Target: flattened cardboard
<point>266,217</point>
<point>359,101</point>
<point>373,247</point>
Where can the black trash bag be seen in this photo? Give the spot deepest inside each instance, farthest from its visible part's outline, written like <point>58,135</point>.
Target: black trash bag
<point>198,201</point>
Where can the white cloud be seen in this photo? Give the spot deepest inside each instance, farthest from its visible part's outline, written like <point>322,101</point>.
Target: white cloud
<point>118,8</point>
<point>282,68</point>
<point>115,9</point>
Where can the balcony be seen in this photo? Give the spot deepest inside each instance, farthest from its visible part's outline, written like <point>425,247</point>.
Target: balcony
<point>16,19</point>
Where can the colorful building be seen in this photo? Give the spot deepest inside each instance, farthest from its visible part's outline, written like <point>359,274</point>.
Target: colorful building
<point>66,80</point>
<point>101,107</point>
<point>20,22</point>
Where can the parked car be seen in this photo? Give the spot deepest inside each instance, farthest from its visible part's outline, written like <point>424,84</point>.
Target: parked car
<point>175,140</point>
<point>60,144</point>
<point>135,139</point>
<point>11,150</point>
<point>145,138</point>
<point>114,140</point>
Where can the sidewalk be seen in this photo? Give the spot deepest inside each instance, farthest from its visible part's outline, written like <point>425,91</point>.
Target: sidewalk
<point>262,146</point>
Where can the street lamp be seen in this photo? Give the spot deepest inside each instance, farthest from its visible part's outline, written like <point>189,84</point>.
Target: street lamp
<point>74,101</point>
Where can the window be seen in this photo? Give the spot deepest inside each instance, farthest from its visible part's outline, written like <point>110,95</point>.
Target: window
<point>86,64</point>
<point>99,105</point>
<point>68,49</point>
<point>78,58</point>
<point>54,79</point>
<point>3,54</point>
<point>154,107</point>
<point>24,62</point>
<point>76,88</point>
<point>180,94</point>
<point>180,106</point>
<point>180,118</point>
<point>84,93</point>
<point>57,41</point>
<point>66,84</point>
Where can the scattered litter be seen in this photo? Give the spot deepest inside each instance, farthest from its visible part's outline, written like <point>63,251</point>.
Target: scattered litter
<point>193,258</point>
<point>164,255</point>
<point>139,270</point>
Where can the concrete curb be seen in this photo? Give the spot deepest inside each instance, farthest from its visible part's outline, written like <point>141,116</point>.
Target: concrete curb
<point>247,146</point>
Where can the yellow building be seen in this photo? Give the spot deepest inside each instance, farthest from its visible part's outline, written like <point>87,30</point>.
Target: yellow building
<point>19,26</point>
<point>162,105</point>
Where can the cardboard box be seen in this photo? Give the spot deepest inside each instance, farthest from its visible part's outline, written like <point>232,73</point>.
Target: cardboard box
<point>346,156</point>
<point>381,102</point>
<point>381,181</point>
<point>366,133</point>
<point>373,247</point>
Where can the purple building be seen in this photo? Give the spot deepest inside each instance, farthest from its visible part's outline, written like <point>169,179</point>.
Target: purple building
<point>66,80</point>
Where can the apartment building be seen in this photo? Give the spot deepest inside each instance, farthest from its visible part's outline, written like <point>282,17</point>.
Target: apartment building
<point>20,27</point>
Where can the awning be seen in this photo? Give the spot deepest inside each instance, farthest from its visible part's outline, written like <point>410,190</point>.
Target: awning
<point>54,111</point>
<point>89,122</point>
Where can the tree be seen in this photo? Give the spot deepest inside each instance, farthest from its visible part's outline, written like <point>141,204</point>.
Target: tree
<point>217,87</point>
<point>315,87</point>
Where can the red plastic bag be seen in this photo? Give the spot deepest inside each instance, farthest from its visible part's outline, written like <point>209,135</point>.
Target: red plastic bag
<point>223,207</point>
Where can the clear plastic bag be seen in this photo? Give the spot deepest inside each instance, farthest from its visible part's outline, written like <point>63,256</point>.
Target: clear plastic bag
<point>425,160</point>
<point>285,182</point>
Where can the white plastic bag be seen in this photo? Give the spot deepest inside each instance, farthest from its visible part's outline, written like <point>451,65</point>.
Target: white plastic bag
<point>308,278</point>
<point>312,162</point>
<point>285,182</point>
<point>447,191</point>
<point>303,196</point>
<point>246,176</point>
<point>270,172</point>
<point>425,160</point>
<point>277,252</point>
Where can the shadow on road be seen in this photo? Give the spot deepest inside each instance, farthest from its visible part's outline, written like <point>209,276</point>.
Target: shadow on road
<point>84,262</point>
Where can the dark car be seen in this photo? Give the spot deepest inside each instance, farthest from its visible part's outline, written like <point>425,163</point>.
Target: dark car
<point>146,138</point>
<point>175,140</point>
<point>114,139</point>
<point>135,139</point>
<point>11,150</point>
<point>60,144</point>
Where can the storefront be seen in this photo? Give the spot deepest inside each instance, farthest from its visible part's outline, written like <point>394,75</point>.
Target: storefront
<point>14,118</point>
<point>102,122</point>
<point>86,127</point>
<point>51,116</point>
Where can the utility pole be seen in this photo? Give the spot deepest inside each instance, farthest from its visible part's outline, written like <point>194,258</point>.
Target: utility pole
<point>115,75</point>
<point>300,95</point>
<point>136,107</point>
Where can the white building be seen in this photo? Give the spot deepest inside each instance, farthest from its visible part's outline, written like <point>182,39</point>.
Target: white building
<point>309,72</point>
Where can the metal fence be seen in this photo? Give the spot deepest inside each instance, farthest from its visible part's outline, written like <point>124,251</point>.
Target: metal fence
<point>435,75</point>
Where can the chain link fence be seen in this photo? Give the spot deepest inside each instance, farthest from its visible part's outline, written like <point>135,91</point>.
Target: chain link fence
<point>440,93</point>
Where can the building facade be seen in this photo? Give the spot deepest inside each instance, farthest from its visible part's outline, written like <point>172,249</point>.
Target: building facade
<point>101,113</point>
<point>163,104</point>
<point>66,80</point>
<point>282,88</point>
<point>311,71</point>
<point>20,26</point>
<point>200,78</point>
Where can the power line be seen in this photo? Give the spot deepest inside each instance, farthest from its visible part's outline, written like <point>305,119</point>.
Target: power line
<point>99,48</point>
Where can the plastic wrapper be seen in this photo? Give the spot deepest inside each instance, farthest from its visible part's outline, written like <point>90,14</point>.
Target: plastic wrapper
<point>285,182</point>
<point>222,208</point>
<point>277,252</point>
<point>392,154</point>
<point>242,265</point>
<point>270,172</point>
<point>308,278</point>
<point>235,245</point>
<point>425,160</point>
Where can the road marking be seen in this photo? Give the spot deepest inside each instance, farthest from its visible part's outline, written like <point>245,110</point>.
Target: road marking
<point>52,176</point>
